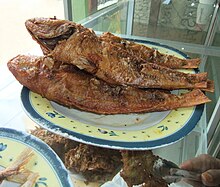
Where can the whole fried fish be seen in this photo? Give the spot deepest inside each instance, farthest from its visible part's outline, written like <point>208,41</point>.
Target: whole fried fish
<point>150,54</point>
<point>72,43</point>
<point>74,88</point>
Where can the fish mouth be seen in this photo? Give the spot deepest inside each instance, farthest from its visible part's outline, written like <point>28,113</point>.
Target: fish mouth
<point>48,32</point>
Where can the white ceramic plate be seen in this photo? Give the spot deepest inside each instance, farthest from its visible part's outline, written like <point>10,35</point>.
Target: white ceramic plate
<point>45,162</point>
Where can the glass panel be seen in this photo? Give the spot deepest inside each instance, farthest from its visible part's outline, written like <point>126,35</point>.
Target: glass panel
<point>216,40</point>
<point>114,21</point>
<point>101,15</point>
<point>105,3</point>
<point>185,21</point>
<point>213,67</point>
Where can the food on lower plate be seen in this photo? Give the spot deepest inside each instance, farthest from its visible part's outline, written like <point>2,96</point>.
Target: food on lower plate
<point>58,143</point>
<point>17,172</point>
<point>74,88</point>
<point>98,164</point>
<point>95,164</point>
<point>72,43</point>
<point>138,169</point>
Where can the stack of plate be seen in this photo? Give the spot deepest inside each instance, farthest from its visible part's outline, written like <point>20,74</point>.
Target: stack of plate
<point>131,132</point>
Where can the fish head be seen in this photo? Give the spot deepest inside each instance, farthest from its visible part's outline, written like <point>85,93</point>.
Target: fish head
<point>49,31</point>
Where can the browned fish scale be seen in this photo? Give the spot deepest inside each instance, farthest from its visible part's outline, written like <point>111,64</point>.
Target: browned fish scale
<point>74,88</point>
<point>74,44</point>
<point>150,54</point>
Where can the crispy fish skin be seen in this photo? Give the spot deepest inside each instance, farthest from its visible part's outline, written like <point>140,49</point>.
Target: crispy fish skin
<point>150,54</point>
<point>57,31</point>
<point>95,163</point>
<point>77,89</point>
<point>58,143</point>
<point>138,169</point>
<point>72,43</point>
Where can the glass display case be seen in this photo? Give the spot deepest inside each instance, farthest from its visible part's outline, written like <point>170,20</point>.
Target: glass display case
<point>190,26</point>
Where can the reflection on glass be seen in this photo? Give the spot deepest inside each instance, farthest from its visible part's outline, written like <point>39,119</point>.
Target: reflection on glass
<point>173,20</point>
<point>185,21</point>
<point>105,3</point>
<point>216,40</point>
<point>101,15</point>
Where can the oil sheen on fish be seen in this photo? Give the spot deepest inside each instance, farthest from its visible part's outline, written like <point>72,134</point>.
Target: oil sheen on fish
<point>150,54</point>
<point>74,88</point>
<point>74,44</point>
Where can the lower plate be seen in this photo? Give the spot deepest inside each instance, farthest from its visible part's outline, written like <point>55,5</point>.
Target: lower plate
<point>133,131</point>
<point>45,162</point>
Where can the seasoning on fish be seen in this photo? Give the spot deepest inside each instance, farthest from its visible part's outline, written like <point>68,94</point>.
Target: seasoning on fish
<point>72,43</point>
<point>150,54</point>
<point>75,88</point>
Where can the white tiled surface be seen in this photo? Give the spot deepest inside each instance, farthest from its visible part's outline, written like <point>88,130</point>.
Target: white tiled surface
<point>10,106</point>
<point>14,40</point>
<point>12,114</point>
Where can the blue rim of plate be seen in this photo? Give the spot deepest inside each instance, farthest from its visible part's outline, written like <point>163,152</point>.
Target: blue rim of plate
<point>42,148</point>
<point>138,145</point>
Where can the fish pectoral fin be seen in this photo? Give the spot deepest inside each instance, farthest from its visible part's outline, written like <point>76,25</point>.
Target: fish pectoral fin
<point>84,64</point>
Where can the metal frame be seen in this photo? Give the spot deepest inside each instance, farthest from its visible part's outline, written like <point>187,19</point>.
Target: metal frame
<point>210,36</point>
<point>67,9</point>
<point>130,17</point>
<point>214,129</point>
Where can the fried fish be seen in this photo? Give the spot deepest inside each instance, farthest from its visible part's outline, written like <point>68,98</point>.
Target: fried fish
<point>150,54</point>
<point>72,43</point>
<point>74,88</point>
<point>96,164</point>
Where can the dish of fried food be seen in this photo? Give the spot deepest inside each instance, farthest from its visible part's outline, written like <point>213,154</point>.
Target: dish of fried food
<point>17,172</point>
<point>27,161</point>
<point>95,164</point>
<point>108,76</point>
<point>98,164</point>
